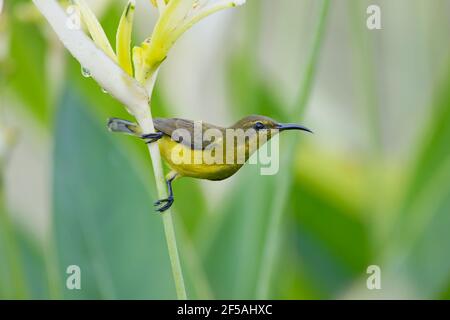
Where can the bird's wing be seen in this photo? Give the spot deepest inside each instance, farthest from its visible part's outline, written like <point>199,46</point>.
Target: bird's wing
<point>182,127</point>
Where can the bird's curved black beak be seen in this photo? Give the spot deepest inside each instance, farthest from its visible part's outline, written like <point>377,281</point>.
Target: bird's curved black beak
<point>292,126</point>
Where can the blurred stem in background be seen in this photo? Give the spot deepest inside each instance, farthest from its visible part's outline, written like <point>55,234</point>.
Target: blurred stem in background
<point>367,88</point>
<point>284,179</point>
<point>363,48</point>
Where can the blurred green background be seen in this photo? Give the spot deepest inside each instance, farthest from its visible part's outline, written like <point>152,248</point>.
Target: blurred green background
<point>371,187</point>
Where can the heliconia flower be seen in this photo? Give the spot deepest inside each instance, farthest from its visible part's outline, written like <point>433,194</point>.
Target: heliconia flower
<point>116,70</point>
<point>176,17</point>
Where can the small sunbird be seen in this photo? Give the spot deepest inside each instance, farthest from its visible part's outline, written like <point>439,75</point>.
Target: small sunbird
<point>184,145</point>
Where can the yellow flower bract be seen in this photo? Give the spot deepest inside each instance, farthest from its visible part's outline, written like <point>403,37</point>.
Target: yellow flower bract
<point>176,17</point>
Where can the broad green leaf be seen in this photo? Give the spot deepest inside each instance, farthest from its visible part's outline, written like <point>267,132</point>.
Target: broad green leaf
<point>12,276</point>
<point>103,212</point>
<point>22,267</point>
<point>325,245</point>
<point>434,151</point>
<point>333,245</point>
<point>35,268</point>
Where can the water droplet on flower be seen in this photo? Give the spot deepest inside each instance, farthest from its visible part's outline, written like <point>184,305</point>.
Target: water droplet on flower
<point>85,72</point>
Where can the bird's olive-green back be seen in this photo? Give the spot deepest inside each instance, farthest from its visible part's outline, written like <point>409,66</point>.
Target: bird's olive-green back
<point>196,140</point>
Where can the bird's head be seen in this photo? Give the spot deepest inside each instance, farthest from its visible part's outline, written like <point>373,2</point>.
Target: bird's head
<point>262,123</point>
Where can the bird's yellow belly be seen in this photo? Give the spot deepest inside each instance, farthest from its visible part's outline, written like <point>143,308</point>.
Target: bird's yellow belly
<point>175,154</point>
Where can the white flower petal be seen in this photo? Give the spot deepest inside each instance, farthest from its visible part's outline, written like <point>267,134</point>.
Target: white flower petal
<point>101,67</point>
<point>95,29</point>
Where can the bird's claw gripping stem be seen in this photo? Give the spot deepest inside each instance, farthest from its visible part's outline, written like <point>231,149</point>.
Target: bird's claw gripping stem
<point>170,200</point>
<point>168,203</point>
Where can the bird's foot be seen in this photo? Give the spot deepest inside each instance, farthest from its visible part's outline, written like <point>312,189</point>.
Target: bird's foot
<point>167,204</point>
<point>152,137</point>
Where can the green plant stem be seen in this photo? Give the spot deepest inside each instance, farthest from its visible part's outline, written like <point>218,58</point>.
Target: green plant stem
<point>125,89</point>
<point>147,125</point>
<point>146,122</point>
<point>285,179</point>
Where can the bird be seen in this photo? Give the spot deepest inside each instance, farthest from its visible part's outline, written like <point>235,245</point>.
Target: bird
<point>181,139</point>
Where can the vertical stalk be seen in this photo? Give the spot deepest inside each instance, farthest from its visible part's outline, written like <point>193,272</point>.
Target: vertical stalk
<point>366,77</point>
<point>146,122</point>
<point>125,89</point>
<point>285,179</point>
<point>363,43</point>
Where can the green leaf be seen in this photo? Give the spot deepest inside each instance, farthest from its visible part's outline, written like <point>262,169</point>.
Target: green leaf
<point>12,277</point>
<point>34,266</point>
<point>434,151</point>
<point>104,216</point>
<point>28,65</point>
<point>232,246</point>
<point>418,253</point>
<point>333,245</point>
<point>22,269</point>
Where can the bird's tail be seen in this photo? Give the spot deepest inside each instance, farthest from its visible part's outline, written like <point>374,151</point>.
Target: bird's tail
<point>124,126</point>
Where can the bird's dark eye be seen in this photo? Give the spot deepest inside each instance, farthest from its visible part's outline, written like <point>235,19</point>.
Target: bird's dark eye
<point>259,126</point>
